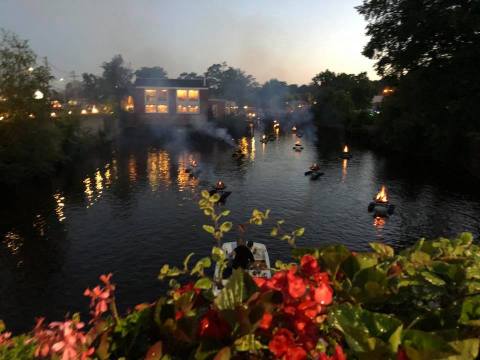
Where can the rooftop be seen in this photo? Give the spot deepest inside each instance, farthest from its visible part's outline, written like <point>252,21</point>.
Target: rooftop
<point>158,82</point>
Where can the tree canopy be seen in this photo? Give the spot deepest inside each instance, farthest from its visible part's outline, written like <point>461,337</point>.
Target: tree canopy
<point>155,72</point>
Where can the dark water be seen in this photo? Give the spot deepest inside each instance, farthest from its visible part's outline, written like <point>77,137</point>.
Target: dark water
<point>135,209</point>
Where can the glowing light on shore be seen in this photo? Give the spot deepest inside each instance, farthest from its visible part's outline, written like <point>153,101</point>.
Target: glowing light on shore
<point>95,110</point>
<point>38,95</point>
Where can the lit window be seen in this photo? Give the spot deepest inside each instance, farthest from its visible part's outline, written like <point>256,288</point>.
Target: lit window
<point>162,109</point>
<point>193,95</point>
<point>156,101</point>
<point>188,101</point>
<point>150,108</point>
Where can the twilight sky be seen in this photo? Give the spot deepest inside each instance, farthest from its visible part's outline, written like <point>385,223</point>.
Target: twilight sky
<point>291,40</point>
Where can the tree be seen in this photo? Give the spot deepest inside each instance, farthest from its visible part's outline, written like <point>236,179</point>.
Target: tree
<point>155,72</point>
<point>30,141</point>
<point>429,51</point>
<point>20,78</point>
<point>189,76</point>
<point>233,84</point>
<point>117,79</point>
<point>273,94</point>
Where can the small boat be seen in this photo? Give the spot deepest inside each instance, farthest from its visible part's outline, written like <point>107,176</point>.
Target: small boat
<point>314,174</point>
<point>219,188</point>
<point>264,139</point>
<point>380,206</point>
<point>298,146</point>
<point>260,268</point>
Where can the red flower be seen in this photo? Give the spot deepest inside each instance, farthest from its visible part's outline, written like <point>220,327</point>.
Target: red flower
<point>323,294</point>
<point>212,326</point>
<point>186,288</point>
<point>179,314</point>
<point>281,342</point>
<point>260,281</point>
<point>296,353</point>
<point>296,284</point>
<point>402,354</point>
<point>101,297</point>
<point>339,354</point>
<point>309,265</point>
<point>266,321</point>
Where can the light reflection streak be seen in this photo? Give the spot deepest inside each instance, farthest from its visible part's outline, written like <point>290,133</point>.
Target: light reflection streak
<point>13,242</point>
<point>60,204</point>
<point>252,149</point>
<point>186,180</point>
<point>344,169</point>
<point>158,169</point>
<point>132,169</point>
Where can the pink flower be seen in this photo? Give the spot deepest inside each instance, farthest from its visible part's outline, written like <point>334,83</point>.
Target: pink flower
<point>100,297</point>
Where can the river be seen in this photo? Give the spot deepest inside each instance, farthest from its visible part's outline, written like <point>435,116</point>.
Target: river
<point>133,209</point>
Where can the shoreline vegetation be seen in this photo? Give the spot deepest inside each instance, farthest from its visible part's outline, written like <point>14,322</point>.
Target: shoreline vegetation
<point>421,302</point>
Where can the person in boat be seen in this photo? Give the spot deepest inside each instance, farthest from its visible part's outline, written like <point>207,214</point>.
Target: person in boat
<point>315,167</point>
<point>243,255</point>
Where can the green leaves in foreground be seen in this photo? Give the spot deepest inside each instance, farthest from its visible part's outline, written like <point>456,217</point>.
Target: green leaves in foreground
<point>239,288</point>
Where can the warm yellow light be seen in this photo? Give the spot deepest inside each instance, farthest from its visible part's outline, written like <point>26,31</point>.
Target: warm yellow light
<point>2,117</point>
<point>95,110</point>
<point>382,195</point>
<point>83,112</point>
<point>70,112</point>
<point>31,116</point>
<point>38,95</point>
<point>193,95</point>
<point>345,149</point>
<point>52,114</point>
<point>182,95</point>
<point>30,69</point>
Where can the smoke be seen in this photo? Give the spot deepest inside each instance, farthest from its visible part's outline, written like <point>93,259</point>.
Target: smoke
<point>203,126</point>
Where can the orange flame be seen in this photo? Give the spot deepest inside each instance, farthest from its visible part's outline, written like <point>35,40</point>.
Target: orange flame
<point>220,185</point>
<point>298,143</point>
<point>345,149</point>
<point>382,195</point>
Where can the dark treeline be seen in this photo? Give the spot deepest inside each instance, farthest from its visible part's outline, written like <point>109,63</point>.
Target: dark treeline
<point>429,53</point>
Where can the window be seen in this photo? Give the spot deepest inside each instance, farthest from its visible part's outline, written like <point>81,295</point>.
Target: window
<point>156,101</point>
<point>188,101</point>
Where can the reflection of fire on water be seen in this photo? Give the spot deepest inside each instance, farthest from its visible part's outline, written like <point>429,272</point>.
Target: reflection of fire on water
<point>158,168</point>
<point>344,168</point>
<point>60,201</point>
<point>382,196</point>
<point>185,178</point>
<point>379,222</point>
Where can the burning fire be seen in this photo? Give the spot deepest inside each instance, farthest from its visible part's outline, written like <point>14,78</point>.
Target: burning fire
<point>294,128</point>
<point>382,195</point>
<point>194,163</point>
<point>345,149</point>
<point>264,137</point>
<point>219,185</point>
<point>298,143</point>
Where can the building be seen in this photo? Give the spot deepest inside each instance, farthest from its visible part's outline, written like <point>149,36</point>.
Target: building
<point>219,108</point>
<point>169,99</point>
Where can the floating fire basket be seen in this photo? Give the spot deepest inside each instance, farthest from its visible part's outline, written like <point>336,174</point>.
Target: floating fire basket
<point>314,172</point>
<point>219,188</point>
<point>380,206</point>
<point>264,139</point>
<point>298,146</point>
<point>294,129</point>
<point>346,153</point>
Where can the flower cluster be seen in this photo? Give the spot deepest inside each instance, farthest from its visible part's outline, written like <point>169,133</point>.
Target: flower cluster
<point>64,340</point>
<point>100,297</point>
<point>306,294</point>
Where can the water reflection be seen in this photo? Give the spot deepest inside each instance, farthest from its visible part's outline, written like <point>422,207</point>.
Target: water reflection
<point>132,169</point>
<point>39,224</point>
<point>13,242</point>
<point>344,169</point>
<point>60,204</point>
<point>252,149</point>
<point>158,169</point>
<point>185,179</point>
<point>94,187</point>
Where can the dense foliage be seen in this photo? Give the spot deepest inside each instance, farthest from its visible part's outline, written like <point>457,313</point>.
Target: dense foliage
<point>31,141</point>
<point>429,51</point>
<point>328,303</point>
<point>343,99</point>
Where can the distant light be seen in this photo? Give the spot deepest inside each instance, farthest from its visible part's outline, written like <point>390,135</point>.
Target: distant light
<point>94,110</point>
<point>2,117</point>
<point>61,79</point>
<point>30,69</point>
<point>70,112</point>
<point>83,112</point>
<point>31,116</point>
<point>53,114</point>
<point>245,107</point>
<point>38,95</point>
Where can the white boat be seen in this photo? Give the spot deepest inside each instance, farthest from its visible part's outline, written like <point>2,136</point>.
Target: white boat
<point>260,268</point>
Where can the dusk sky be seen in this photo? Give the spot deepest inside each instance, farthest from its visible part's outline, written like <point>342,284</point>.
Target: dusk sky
<point>291,40</point>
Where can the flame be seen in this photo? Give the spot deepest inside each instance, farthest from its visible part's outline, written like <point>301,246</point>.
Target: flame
<point>264,137</point>
<point>219,185</point>
<point>298,143</point>
<point>94,110</point>
<point>382,195</point>
<point>294,128</point>
<point>345,149</point>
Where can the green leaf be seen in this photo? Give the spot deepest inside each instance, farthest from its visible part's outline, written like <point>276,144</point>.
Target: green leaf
<point>432,279</point>
<point>204,283</point>
<point>367,333</point>
<point>186,261</point>
<point>208,228</point>
<point>299,232</point>
<point>383,250</point>
<point>225,213</point>
<point>274,232</point>
<point>238,289</point>
<point>248,343</point>
<point>470,313</point>
<point>226,226</point>
<point>223,354</point>
<point>201,265</point>
<point>215,198</point>
<point>217,254</point>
